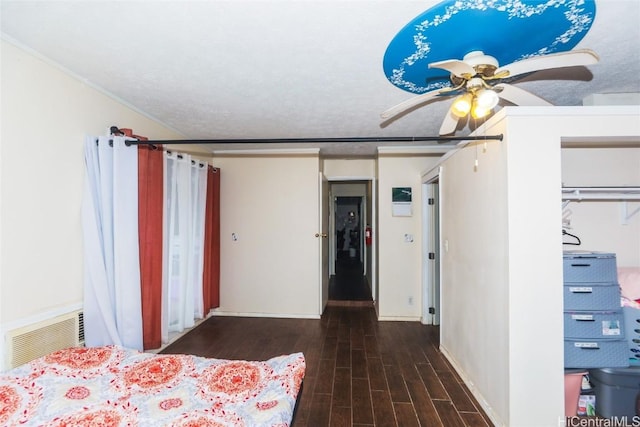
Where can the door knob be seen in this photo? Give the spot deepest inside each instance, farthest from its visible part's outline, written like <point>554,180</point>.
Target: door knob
<point>321,235</point>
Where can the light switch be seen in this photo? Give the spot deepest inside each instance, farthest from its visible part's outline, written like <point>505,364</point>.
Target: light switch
<point>408,238</point>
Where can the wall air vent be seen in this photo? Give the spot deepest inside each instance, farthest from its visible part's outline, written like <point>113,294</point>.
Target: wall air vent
<point>41,338</point>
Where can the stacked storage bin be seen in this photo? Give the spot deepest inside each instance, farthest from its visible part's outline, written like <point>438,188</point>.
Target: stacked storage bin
<point>593,319</point>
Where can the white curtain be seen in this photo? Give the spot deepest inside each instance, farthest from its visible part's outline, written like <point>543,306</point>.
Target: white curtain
<point>112,298</point>
<point>184,214</point>
<point>199,190</point>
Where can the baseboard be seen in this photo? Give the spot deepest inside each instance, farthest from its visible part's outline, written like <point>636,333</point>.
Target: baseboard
<point>337,303</point>
<point>266,315</point>
<point>399,318</point>
<point>472,388</point>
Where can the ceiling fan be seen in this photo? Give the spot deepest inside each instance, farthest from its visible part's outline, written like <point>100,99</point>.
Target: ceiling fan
<point>476,79</point>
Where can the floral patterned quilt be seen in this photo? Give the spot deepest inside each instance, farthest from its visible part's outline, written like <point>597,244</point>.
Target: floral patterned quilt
<point>113,386</point>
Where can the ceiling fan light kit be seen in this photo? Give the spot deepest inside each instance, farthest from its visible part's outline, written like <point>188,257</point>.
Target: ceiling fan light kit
<point>479,99</point>
<point>479,103</point>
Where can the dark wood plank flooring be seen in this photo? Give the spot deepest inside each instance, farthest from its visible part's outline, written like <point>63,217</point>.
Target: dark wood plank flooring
<point>360,372</point>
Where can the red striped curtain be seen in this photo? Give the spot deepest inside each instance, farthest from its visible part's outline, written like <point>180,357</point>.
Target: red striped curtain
<point>150,205</point>
<point>211,275</point>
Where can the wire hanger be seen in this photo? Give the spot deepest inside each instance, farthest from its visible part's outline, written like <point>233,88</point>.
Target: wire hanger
<point>576,243</point>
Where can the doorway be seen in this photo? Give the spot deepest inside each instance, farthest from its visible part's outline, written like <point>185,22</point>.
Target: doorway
<point>350,255</point>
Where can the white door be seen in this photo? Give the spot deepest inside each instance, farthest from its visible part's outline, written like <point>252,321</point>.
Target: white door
<point>431,254</point>
<point>435,249</point>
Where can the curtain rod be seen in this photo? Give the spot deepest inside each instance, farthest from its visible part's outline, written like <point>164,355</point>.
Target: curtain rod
<point>316,140</point>
<point>136,141</point>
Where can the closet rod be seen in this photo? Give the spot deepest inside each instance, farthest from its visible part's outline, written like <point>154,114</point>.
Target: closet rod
<point>600,193</point>
<point>316,140</point>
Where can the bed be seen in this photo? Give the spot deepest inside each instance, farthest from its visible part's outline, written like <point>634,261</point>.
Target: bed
<point>114,386</point>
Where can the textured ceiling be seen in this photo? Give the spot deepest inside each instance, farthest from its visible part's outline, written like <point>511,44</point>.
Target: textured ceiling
<point>281,69</point>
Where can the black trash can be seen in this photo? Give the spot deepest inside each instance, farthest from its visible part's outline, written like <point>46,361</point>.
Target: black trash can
<point>617,391</point>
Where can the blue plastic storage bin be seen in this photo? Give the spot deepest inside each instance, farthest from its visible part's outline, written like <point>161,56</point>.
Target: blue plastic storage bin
<point>591,296</point>
<point>594,324</point>
<point>592,353</point>
<point>583,266</point>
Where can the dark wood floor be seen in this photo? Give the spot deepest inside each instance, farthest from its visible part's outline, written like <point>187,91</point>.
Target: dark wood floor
<point>360,372</point>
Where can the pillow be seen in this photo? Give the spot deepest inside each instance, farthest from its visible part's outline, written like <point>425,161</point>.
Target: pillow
<point>629,280</point>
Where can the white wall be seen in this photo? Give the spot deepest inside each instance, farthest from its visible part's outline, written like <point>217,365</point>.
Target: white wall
<point>399,262</point>
<point>45,116</point>
<point>474,281</point>
<point>271,269</point>
<point>336,169</point>
<point>345,189</point>
<point>270,202</point>
<point>502,274</point>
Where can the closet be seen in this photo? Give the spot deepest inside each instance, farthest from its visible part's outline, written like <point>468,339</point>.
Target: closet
<point>601,233</point>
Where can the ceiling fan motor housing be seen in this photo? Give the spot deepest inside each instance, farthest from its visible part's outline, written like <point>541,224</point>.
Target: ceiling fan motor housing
<point>478,57</point>
<point>484,67</point>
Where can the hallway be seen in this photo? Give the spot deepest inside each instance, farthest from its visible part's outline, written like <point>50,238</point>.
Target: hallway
<point>349,283</point>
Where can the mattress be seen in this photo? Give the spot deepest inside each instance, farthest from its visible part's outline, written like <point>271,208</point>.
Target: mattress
<point>115,386</point>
